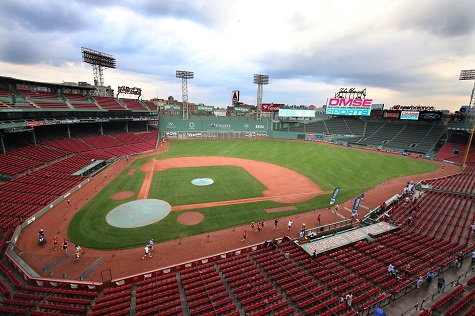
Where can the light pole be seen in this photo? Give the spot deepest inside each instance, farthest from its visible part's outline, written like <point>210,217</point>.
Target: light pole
<point>184,75</point>
<point>469,75</point>
<point>260,80</point>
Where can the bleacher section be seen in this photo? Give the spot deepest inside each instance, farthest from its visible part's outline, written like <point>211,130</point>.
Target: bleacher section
<point>133,104</point>
<point>150,105</point>
<point>410,137</point>
<point>454,150</point>
<point>109,103</point>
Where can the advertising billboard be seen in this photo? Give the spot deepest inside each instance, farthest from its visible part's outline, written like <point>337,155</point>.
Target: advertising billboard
<point>296,113</point>
<point>172,107</point>
<point>391,114</point>
<point>271,107</point>
<point>238,109</point>
<point>409,115</point>
<point>204,109</point>
<point>355,107</point>
<point>430,115</point>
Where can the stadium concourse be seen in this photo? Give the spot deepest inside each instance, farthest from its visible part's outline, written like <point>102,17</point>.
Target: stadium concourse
<point>253,279</point>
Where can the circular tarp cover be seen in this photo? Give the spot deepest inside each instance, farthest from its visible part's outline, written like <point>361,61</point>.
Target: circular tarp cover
<point>202,181</point>
<point>138,213</point>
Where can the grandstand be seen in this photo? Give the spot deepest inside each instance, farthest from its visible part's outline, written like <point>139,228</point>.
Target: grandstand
<point>53,153</point>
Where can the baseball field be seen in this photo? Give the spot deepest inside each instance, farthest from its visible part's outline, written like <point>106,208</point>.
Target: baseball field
<point>250,178</point>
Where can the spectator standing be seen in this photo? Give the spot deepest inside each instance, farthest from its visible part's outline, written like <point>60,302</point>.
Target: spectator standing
<point>314,255</point>
<point>459,259</point>
<point>390,269</point>
<point>473,256</point>
<point>430,276</point>
<point>349,298</point>
<point>419,282</point>
<point>440,283</point>
<point>407,269</point>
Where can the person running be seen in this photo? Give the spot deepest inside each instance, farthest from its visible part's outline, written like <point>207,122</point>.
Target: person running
<point>276,222</point>
<point>146,253</point>
<point>65,246</point>
<point>150,245</point>
<point>319,219</point>
<point>55,242</point>
<point>289,224</point>
<point>244,236</point>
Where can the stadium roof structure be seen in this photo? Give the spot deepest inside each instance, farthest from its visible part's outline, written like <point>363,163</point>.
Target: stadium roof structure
<point>11,79</point>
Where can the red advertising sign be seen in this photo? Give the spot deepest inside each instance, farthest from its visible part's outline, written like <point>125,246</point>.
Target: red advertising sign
<point>34,124</point>
<point>271,107</point>
<point>391,114</point>
<point>310,134</point>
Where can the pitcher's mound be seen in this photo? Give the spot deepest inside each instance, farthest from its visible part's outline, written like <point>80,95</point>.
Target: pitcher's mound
<point>122,195</point>
<point>190,218</point>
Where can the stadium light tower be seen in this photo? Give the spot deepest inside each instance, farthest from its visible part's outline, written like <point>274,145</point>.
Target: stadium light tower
<point>469,75</point>
<point>260,80</point>
<point>99,61</point>
<point>185,75</point>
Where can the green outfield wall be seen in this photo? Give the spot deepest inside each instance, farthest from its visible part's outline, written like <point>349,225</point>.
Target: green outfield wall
<point>222,127</point>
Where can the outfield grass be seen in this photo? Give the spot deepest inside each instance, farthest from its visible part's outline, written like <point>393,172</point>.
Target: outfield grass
<point>355,171</point>
<point>230,183</point>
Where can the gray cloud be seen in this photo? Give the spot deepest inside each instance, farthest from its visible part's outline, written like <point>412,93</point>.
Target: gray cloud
<point>56,15</point>
<point>441,18</point>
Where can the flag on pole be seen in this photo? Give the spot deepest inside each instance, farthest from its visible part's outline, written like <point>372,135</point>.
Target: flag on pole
<point>334,195</point>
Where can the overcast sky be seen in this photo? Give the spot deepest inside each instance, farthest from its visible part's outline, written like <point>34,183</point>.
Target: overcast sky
<point>403,52</point>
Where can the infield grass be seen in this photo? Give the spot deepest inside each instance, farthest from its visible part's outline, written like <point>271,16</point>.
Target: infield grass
<point>230,183</point>
<point>354,171</point>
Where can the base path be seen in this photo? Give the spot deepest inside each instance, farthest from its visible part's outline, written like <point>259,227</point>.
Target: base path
<point>283,185</point>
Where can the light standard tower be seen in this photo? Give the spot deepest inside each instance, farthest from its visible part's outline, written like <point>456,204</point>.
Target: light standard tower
<point>185,75</point>
<point>469,75</point>
<point>98,61</point>
<point>260,80</point>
